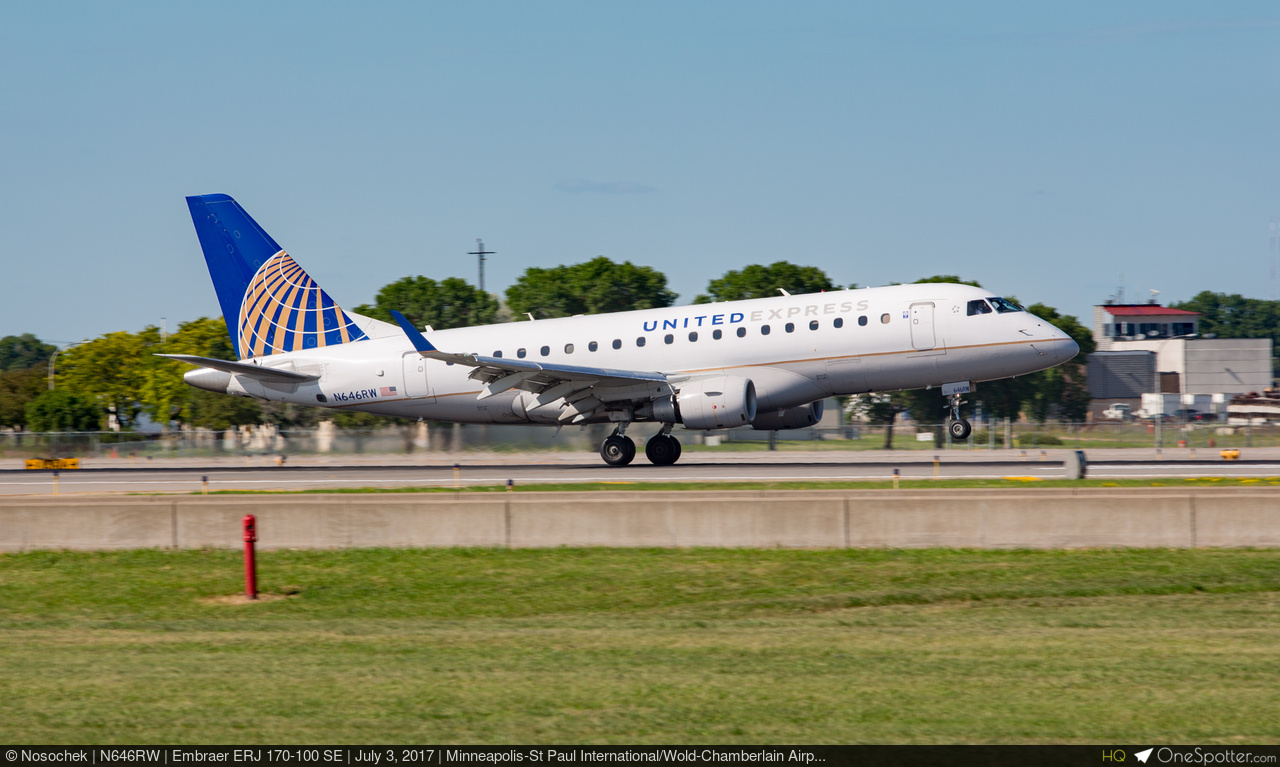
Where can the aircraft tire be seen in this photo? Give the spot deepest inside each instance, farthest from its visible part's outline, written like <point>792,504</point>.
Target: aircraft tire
<point>618,450</point>
<point>960,429</point>
<point>662,450</point>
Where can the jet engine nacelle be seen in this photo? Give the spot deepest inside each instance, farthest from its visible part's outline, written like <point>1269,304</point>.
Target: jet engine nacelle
<point>791,418</point>
<point>721,402</point>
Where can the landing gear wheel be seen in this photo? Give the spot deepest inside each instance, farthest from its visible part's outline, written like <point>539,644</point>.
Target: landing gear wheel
<point>662,450</point>
<point>959,428</point>
<point>618,450</point>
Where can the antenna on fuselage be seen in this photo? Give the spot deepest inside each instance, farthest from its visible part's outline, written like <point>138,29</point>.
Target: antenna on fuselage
<point>783,291</point>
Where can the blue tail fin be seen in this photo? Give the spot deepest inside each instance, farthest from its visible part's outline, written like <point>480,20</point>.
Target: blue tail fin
<point>269,304</point>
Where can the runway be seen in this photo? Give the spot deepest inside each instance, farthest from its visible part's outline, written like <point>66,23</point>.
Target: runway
<point>579,468</point>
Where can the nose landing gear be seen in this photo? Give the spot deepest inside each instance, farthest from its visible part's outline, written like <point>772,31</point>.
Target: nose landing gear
<point>958,427</point>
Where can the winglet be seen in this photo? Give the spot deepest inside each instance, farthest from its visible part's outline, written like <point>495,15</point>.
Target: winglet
<point>418,340</point>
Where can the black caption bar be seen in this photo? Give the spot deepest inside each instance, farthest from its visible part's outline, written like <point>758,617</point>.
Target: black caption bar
<point>870,756</point>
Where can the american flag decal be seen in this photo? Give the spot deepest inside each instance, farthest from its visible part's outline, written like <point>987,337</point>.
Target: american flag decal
<point>386,391</point>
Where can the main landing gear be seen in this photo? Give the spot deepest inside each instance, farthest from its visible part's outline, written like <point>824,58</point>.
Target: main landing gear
<point>619,450</point>
<point>662,449</point>
<point>959,428</point>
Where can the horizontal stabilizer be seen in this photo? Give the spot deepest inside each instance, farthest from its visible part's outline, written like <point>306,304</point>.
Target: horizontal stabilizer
<point>424,346</point>
<point>269,375</point>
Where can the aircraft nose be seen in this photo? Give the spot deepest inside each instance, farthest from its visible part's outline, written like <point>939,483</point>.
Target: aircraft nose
<point>1067,348</point>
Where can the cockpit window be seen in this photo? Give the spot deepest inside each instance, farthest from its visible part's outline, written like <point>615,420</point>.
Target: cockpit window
<point>1004,306</point>
<point>978,306</point>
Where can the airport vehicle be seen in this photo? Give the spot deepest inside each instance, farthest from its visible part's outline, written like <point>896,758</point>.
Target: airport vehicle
<point>1118,411</point>
<point>767,363</point>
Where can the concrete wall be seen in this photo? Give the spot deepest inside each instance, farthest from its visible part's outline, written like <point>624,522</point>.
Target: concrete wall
<point>1051,518</point>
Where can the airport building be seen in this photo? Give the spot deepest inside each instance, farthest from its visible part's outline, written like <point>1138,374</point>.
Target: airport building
<point>1149,349</point>
<point>1126,323</point>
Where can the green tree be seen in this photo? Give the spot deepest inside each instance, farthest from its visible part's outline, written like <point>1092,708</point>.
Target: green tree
<point>166,397</point>
<point>594,287</point>
<point>110,369</point>
<point>758,281</point>
<point>1003,398</point>
<point>450,303</point>
<point>210,410</point>
<point>880,409</point>
<point>24,351</point>
<point>17,388</point>
<point>1062,386</point>
<point>62,410</point>
<point>948,278</point>
<point>1234,316</point>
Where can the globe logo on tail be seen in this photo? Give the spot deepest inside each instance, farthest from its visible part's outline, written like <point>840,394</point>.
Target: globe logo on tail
<point>284,310</point>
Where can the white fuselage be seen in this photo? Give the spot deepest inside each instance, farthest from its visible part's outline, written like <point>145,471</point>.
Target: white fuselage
<point>891,338</point>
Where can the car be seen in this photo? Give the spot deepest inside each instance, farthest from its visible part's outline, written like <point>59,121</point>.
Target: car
<point>1118,412</point>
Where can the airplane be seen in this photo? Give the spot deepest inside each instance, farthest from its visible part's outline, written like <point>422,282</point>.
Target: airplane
<point>767,363</point>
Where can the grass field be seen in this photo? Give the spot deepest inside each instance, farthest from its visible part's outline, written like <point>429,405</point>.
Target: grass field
<point>642,646</point>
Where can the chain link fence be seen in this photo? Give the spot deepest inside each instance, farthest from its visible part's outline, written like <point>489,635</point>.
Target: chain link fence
<point>459,438</point>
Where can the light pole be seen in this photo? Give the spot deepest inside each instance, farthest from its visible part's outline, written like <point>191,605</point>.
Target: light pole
<point>481,253</point>
<point>55,357</point>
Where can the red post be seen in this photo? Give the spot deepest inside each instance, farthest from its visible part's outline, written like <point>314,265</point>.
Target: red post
<point>250,566</point>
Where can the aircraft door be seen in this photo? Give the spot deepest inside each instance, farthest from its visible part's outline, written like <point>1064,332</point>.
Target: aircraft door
<point>415,377</point>
<point>922,335</point>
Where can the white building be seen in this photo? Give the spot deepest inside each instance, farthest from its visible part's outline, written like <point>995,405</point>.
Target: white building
<point>1203,365</point>
<point>1211,365</point>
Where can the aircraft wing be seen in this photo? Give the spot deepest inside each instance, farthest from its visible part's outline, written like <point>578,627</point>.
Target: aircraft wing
<point>583,388</point>
<point>269,375</point>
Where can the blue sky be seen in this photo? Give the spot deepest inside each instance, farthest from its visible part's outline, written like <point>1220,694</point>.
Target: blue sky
<point>1040,149</point>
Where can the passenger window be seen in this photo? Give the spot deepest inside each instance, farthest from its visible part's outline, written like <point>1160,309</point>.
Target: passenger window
<point>884,319</point>
<point>764,330</point>
<point>978,306</point>
<point>640,341</point>
<point>545,350</point>
<point>862,320</point>
<point>742,332</point>
<point>668,338</point>
<point>838,322</point>
<point>498,355</point>
<point>568,348</point>
<point>593,346</point>
<point>717,335</point>
<point>791,327</point>
<point>617,343</point>
<point>813,324</point>
<point>520,353</point>
<point>693,336</point>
